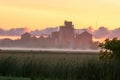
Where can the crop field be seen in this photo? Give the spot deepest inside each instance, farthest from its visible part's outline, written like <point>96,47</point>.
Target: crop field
<point>49,56</point>
<point>13,78</point>
<point>56,65</point>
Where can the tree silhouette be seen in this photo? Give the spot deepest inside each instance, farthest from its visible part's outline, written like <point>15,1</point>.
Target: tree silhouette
<point>110,49</point>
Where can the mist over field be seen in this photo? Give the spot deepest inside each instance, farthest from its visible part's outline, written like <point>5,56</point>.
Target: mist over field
<point>49,49</point>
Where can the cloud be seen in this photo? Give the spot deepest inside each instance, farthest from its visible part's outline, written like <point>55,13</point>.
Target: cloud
<point>102,32</point>
<point>116,33</point>
<point>12,32</point>
<point>44,31</point>
<point>20,31</point>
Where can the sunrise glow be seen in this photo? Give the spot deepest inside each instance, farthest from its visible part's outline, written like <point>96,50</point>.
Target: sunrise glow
<point>39,14</point>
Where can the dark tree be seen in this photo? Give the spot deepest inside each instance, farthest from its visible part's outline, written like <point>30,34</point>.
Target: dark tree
<point>110,49</point>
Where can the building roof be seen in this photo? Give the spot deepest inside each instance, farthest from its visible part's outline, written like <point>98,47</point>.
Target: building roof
<point>85,33</point>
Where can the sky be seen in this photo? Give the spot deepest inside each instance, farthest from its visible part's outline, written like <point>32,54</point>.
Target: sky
<point>39,14</point>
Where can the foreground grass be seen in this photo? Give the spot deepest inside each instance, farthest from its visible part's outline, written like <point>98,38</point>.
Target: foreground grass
<point>49,66</point>
<point>13,78</point>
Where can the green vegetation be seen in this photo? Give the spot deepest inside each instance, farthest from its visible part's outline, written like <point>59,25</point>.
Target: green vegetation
<point>42,65</point>
<point>13,78</point>
<point>111,49</point>
<point>56,66</point>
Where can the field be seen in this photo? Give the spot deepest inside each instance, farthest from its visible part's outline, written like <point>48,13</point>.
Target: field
<point>54,65</point>
<point>13,78</point>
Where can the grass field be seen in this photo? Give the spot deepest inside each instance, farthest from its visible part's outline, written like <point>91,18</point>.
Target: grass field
<point>50,65</point>
<point>13,78</point>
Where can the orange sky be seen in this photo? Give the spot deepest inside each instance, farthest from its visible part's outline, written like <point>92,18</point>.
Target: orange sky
<point>39,14</point>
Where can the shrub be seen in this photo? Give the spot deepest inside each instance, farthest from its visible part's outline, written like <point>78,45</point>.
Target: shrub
<point>110,49</point>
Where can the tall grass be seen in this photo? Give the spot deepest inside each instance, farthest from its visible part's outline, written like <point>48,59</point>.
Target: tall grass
<point>61,69</point>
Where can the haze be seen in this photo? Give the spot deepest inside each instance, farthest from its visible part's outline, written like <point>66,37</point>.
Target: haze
<point>39,14</point>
